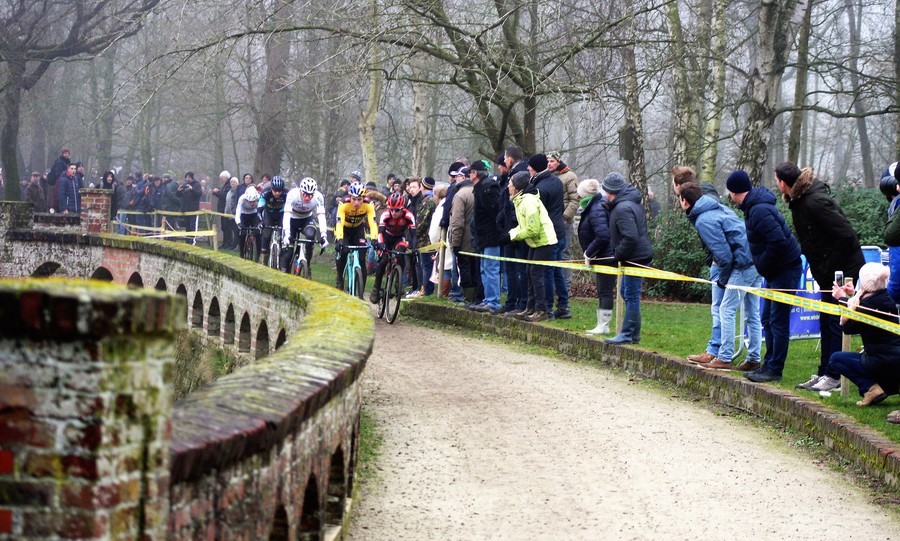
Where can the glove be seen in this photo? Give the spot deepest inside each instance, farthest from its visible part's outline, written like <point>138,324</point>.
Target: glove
<point>504,239</point>
<point>323,242</point>
<point>721,284</point>
<point>379,246</point>
<point>339,245</point>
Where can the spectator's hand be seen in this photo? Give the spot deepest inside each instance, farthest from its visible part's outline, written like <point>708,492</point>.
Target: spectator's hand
<point>587,261</point>
<point>504,239</point>
<point>721,285</point>
<point>842,291</point>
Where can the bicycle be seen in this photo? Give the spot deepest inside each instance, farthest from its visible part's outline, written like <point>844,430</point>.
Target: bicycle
<point>299,265</point>
<point>274,246</point>
<point>389,302</point>
<point>249,242</point>
<point>354,284</point>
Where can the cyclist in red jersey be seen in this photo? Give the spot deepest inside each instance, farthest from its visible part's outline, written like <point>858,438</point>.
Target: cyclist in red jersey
<point>395,223</point>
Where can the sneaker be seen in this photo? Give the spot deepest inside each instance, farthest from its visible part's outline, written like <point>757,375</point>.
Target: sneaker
<point>538,316</point>
<point>524,314</point>
<point>702,358</point>
<point>562,313</point>
<point>480,308</point>
<point>748,366</point>
<point>507,308</point>
<point>807,385</point>
<point>716,364</point>
<point>498,311</point>
<point>762,376</point>
<point>826,383</point>
<point>415,294</point>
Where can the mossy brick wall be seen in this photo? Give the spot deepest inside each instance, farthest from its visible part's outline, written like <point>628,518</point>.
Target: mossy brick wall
<point>272,447</point>
<point>858,444</point>
<point>85,414</point>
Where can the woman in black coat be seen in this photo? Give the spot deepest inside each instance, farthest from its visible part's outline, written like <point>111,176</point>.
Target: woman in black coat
<point>593,234</point>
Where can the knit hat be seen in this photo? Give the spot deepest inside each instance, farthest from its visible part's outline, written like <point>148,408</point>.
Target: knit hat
<point>739,182</point>
<point>224,174</point>
<point>520,180</point>
<point>357,175</point>
<point>613,183</point>
<point>555,154</point>
<point>428,183</point>
<point>872,277</point>
<point>588,187</point>
<point>538,162</point>
<point>501,159</point>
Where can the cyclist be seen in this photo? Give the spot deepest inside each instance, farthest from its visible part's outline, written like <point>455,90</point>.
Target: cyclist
<point>304,203</point>
<point>271,203</point>
<point>353,215</point>
<point>246,215</point>
<point>395,223</point>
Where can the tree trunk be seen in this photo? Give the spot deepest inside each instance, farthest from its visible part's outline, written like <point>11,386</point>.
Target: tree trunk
<point>9,137</point>
<point>683,143</point>
<point>865,148</point>
<point>714,115</point>
<point>897,78</point>
<point>370,115</point>
<point>271,125</point>
<point>421,109</point>
<point>637,172</point>
<point>772,53</point>
<point>106,114</point>
<point>800,84</point>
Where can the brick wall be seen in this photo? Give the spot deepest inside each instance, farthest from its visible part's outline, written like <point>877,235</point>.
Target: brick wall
<point>270,448</point>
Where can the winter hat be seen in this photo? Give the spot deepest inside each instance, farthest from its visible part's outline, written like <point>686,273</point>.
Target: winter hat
<point>538,162</point>
<point>888,186</point>
<point>520,180</point>
<point>613,183</point>
<point>478,166</point>
<point>872,277</point>
<point>224,174</point>
<point>555,154</point>
<point>454,168</point>
<point>588,187</point>
<point>428,183</point>
<point>501,160</point>
<point>357,175</point>
<point>739,182</point>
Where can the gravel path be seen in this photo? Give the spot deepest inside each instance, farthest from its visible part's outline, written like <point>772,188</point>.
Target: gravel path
<point>486,442</point>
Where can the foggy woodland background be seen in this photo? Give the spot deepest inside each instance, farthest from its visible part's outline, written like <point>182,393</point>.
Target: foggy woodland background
<point>320,88</point>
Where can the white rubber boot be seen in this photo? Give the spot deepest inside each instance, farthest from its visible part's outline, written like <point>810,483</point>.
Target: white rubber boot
<point>603,319</point>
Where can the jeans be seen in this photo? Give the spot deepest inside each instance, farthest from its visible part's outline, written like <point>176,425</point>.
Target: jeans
<point>426,265</point>
<point>555,281</point>
<point>715,337</point>
<point>490,277</point>
<point>776,320</point>
<point>455,289</point>
<point>631,292</point>
<point>849,363</point>
<point>830,333</point>
<point>731,300</point>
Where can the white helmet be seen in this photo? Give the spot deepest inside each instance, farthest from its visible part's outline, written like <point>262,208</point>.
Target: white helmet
<point>308,186</point>
<point>252,194</point>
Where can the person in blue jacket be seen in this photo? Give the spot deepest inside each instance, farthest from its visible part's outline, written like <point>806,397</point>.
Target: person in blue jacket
<point>726,237</point>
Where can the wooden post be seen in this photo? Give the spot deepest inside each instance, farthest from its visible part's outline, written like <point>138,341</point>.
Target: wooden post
<point>440,262</point>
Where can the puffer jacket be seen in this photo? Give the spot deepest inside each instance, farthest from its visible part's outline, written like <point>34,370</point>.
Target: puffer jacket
<point>553,196</point>
<point>593,229</point>
<point>892,239</point>
<point>570,184</point>
<point>723,233</point>
<point>535,226</point>
<point>772,244</point>
<point>487,206</point>
<point>628,228</point>
<point>826,237</point>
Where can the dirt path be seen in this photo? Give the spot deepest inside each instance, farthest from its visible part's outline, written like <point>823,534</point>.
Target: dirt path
<point>485,442</point>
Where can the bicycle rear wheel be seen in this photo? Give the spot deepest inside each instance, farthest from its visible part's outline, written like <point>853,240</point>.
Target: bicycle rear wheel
<point>382,300</point>
<point>393,294</point>
<point>250,247</point>
<point>358,284</point>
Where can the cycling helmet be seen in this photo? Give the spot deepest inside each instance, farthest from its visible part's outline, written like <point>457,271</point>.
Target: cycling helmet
<point>356,189</point>
<point>308,186</point>
<point>277,183</point>
<point>252,194</point>
<point>396,201</point>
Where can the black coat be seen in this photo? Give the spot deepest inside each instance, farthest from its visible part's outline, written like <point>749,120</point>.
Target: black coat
<point>506,218</point>
<point>553,196</point>
<point>826,237</point>
<point>772,245</point>
<point>487,206</point>
<point>628,228</point>
<point>593,229</point>
<point>881,356</point>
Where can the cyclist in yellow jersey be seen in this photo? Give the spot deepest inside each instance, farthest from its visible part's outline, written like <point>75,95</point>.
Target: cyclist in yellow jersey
<point>353,216</point>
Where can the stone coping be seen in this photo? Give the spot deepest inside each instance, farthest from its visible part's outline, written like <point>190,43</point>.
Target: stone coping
<point>254,408</point>
<point>859,444</point>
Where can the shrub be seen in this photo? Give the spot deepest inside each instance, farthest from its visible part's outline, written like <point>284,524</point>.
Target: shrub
<point>677,248</point>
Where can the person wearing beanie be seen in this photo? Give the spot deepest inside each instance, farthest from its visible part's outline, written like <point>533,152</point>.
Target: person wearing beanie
<point>552,194</point>
<point>776,256</point>
<point>630,244</point>
<point>828,241</point>
<point>424,214</point>
<point>875,371</point>
<point>455,175</point>
<point>725,236</point>
<point>570,208</point>
<point>461,239</point>
<point>428,185</point>
<point>515,272</point>
<point>593,234</point>
<point>537,231</point>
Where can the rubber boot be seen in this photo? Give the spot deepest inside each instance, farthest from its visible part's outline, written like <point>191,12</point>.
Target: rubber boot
<point>630,329</point>
<point>445,288</point>
<point>603,319</point>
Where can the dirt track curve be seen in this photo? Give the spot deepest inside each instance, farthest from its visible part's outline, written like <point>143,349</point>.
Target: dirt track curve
<point>487,442</point>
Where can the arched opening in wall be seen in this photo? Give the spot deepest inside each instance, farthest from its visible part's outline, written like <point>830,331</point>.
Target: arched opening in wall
<point>135,280</point>
<point>46,269</point>
<point>354,455</point>
<point>262,340</point>
<point>244,334</point>
<point>311,516</point>
<point>197,311</point>
<point>102,273</point>
<point>282,338</point>
<point>181,290</point>
<point>280,526</point>
<point>160,285</point>
<point>337,491</point>
<point>228,334</point>
<point>214,318</point>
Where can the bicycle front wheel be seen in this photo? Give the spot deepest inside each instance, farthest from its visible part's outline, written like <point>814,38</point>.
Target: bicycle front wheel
<point>274,251</point>
<point>358,284</point>
<point>394,294</point>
